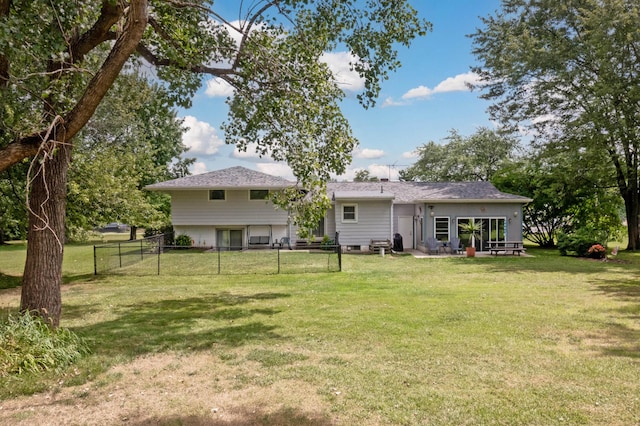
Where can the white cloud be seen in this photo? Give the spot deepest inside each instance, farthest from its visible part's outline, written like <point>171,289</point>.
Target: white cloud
<point>419,92</point>
<point>217,87</point>
<point>201,138</point>
<point>383,172</point>
<point>390,102</point>
<point>340,65</point>
<point>250,152</point>
<point>410,155</point>
<point>198,168</point>
<point>368,154</point>
<point>451,84</point>
<point>276,169</point>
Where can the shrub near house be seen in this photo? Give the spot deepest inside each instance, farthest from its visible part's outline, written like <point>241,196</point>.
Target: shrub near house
<point>581,243</point>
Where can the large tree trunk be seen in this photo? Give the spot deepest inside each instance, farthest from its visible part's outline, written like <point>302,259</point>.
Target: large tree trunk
<point>133,230</point>
<point>43,268</point>
<point>632,208</point>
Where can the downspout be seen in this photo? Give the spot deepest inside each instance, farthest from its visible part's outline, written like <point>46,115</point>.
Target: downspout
<point>391,228</point>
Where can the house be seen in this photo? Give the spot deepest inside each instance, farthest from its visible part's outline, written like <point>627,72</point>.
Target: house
<point>230,208</point>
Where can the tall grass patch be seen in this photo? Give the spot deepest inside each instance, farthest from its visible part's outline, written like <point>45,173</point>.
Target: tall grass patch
<point>28,345</point>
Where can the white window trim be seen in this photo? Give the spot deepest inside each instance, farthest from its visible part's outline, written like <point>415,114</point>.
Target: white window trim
<point>448,226</point>
<point>215,199</point>
<point>355,213</point>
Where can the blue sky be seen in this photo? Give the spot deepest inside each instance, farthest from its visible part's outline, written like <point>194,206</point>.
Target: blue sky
<point>421,102</point>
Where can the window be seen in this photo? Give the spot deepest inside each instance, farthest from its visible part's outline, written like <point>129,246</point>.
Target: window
<point>217,194</point>
<point>318,231</point>
<point>441,228</point>
<point>258,194</point>
<point>350,213</point>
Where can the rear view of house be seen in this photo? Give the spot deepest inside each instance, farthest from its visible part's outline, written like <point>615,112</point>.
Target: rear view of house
<point>230,208</point>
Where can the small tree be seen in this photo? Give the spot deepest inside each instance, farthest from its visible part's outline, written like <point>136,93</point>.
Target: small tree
<point>363,175</point>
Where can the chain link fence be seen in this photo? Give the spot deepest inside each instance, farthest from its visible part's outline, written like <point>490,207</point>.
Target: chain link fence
<point>152,256</point>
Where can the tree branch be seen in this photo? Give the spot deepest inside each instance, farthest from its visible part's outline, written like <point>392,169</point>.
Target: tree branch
<point>100,32</point>
<point>74,121</point>
<point>4,62</point>
<point>150,57</point>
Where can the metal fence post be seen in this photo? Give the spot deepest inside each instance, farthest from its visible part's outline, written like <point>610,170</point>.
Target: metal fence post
<point>158,241</point>
<point>141,249</point>
<point>95,262</point>
<point>278,259</point>
<point>119,255</point>
<point>218,260</point>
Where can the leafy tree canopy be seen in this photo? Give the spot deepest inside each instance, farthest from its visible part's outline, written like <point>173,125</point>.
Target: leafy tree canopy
<point>472,158</point>
<point>59,59</point>
<point>565,199</point>
<point>363,175</point>
<point>133,139</point>
<point>285,100</point>
<point>568,71</point>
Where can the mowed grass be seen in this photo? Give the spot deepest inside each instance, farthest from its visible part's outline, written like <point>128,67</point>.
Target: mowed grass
<point>390,340</point>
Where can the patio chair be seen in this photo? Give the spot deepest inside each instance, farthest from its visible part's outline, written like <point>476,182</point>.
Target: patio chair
<point>455,245</point>
<point>433,246</point>
<point>285,241</point>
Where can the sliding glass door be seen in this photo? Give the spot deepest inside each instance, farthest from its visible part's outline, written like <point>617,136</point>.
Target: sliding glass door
<point>491,229</point>
<point>229,239</point>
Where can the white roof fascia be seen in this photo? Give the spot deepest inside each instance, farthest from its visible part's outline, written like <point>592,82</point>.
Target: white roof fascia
<point>476,200</point>
<point>362,195</point>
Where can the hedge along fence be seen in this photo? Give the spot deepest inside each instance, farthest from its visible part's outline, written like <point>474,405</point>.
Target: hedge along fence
<point>151,257</point>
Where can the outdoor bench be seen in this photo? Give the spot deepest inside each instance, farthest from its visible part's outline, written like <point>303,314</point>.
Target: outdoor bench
<point>376,245</point>
<point>305,244</point>
<point>259,241</point>
<point>515,247</point>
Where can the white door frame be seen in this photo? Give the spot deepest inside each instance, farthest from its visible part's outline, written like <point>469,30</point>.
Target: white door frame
<point>405,228</point>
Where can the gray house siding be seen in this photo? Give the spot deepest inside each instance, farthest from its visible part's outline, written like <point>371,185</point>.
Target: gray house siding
<point>330,222</point>
<point>373,222</point>
<point>195,208</point>
<point>510,212</point>
<point>193,214</point>
<point>401,210</point>
<point>201,235</point>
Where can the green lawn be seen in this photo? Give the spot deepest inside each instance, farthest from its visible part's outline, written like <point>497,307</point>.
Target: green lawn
<point>394,340</point>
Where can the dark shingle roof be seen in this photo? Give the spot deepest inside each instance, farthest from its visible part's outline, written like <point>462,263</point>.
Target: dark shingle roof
<point>411,192</point>
<point>400,192</point>
<point>233,177</point>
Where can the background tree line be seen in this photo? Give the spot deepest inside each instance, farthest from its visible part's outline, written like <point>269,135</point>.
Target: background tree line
<point>134,139</point>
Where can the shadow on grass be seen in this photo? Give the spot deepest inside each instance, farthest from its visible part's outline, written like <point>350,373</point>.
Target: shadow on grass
<point>13,281</point>
<point>629,338</point>
<point>178,324</point>
<point>70,279</point>
<point>284,416</point>
<point>548,260</point>
<point>9,281</point>
<point>628,291</point>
